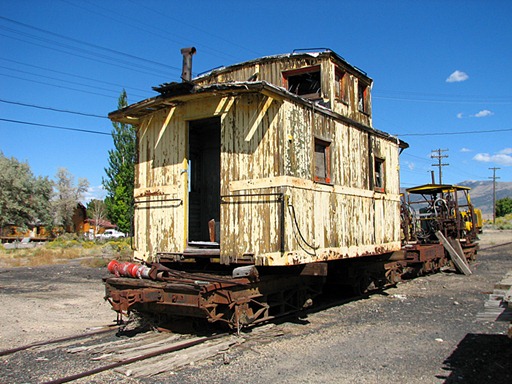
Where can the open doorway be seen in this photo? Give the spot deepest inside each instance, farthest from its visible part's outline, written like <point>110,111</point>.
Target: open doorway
<point>204,180</point>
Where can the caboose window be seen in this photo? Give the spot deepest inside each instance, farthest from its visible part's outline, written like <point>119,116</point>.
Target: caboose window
<point>362,98</point>
<point>305,82</point>
<point>322,161</point>
<point>341,85</point>
<point>379,175</point>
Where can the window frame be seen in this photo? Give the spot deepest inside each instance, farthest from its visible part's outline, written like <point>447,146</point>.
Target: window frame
<point>326,145</point>
<point>379,173</point>
<point>341,89</point>
<point>362,97</point>
<point>301,71</point>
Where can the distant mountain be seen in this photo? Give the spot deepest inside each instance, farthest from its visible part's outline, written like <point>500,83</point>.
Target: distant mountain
<point>481,194</point>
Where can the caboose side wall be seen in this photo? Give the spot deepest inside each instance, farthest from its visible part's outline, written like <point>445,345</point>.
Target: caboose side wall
<point>345,218</point>
<point>267,146</point>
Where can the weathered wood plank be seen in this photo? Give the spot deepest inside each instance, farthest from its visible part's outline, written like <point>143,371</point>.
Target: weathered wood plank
<point>177,360</point>
<point>459,260</point>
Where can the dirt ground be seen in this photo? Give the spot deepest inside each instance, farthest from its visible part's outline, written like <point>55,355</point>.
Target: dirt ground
<point>47,302</point>
<point>422,331</point>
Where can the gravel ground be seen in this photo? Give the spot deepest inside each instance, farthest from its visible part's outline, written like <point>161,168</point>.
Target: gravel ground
<point>422,331</point>
<point>42,303</point>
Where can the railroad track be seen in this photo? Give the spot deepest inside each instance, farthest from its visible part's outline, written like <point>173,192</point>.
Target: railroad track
<point>67,359</point>
<point>144,355</point>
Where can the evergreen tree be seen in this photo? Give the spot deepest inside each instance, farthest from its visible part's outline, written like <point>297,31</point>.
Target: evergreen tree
<point>119,182</point>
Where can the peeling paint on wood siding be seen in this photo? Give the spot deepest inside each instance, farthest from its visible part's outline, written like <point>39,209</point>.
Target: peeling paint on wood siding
<point>319,219</point>
<point>271,70</point>
<point>267,166</point>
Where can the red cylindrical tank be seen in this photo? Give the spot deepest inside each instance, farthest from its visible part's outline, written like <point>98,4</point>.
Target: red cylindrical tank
<point>128,269</point>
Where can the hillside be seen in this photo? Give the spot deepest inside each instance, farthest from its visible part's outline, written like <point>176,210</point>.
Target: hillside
<point>481,194</point>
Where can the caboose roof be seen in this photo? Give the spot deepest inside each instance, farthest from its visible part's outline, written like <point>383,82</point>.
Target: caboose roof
<point>296,54</point>
<point>177,93</point>
<point>172,94</point>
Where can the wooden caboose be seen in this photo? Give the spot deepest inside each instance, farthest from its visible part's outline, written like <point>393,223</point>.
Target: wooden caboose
<point>272,162</point>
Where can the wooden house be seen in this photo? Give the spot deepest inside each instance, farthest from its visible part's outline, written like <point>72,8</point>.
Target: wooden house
<point>273,161</point>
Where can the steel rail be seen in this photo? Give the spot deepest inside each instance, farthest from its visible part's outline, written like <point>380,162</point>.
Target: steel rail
<point>134,359</point>
<point>54,341</point>
<point>495,246</point>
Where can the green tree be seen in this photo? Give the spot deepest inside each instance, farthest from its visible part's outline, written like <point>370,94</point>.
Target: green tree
<point>119,182</point>
<point>66,197</point>
<point>503,206</point>
<point>24,198</point>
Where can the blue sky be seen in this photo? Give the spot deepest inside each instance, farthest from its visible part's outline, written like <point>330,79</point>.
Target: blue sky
<point>441,71</point>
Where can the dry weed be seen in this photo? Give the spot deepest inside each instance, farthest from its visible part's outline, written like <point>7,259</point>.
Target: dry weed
<point>61,252</point>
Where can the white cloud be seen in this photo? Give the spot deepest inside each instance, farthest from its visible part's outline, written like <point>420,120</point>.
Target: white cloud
<point>411,166</point>
<point>483,113</point>
<point>483,157</point>
<point>457,77</point>
<point>97,193</point>
<point>465,150</point>
<point>503,157</point>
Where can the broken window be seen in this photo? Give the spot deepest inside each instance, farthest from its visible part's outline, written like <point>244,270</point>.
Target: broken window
<point>341,85</point>
<point>322,161</point>
<point>305,82</point>
<point>362,98</point>
<point>379,175</point>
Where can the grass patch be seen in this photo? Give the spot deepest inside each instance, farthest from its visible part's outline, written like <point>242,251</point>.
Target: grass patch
<point>504,222</point>
<point>95,262</point>
<point>63,250</point>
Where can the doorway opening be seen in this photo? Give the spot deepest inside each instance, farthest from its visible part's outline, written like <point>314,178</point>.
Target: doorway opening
<point>204,182</point>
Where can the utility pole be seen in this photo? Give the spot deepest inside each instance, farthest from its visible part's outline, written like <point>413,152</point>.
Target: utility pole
<point>494,169</point>
<point>440,164</point>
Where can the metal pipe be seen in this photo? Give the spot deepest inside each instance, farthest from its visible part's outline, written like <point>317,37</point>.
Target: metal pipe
<point>186,72</point>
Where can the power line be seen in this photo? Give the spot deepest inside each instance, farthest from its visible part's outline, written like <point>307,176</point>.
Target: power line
<point>102,81</point>
<point>55,78</point>
<point>56,127</point>
<point>114,62</point>
<point>137,23</point>
<point>209,33</point>
<point>57,86</point>
<point>451,95</point>
<point>451,133</point>
<point>52,109</point>
<point>416,157</point>
<point>110,50</point>
<point>64,81</point>
<point>444,101</point>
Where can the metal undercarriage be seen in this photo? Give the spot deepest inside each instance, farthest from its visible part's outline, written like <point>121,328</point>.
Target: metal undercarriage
<point>257,297</point>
